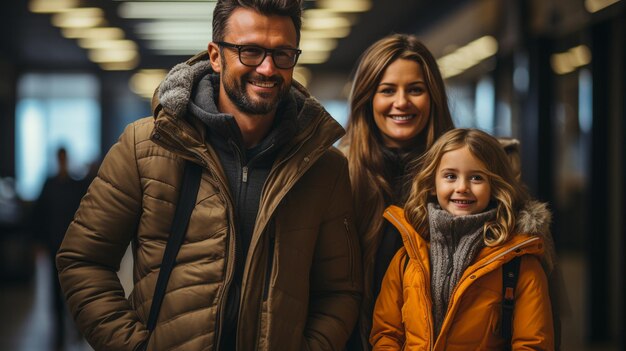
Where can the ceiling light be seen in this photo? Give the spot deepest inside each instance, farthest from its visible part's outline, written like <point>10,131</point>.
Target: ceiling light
<point>597,5</point>
<point>93,33</point>
<point>175,36</point>
<point>79,18</point>
<point>325,33</point>
<point>345,5</point>
<point>51,6</point>
<point>180,44</point>
<point>561,64</point>
<point>107,44</point>
<point>167,9</point>
<point>570,60</point>
<point>145,82</point>
<point>467,56</point>
<point>100,56</point>
<point>318,44</point>
<point>118,66</point>
<point>180,29</point>
<point>314,23</point>
<point>581,55</point>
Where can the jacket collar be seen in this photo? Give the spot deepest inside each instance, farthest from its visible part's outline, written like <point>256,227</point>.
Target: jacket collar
<point>170,108</point>
<point>532,217</point>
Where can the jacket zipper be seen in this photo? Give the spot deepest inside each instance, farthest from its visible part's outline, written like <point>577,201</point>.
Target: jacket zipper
<point>245,171</point>
<point>246,168</point>
<point>270,264</point>
<point>244,175</point>
<point>350,247</point>
<point>299,145</point>
<point>400,226</point>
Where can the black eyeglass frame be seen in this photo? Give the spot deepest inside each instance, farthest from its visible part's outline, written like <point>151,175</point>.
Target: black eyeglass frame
<point>265,52</point>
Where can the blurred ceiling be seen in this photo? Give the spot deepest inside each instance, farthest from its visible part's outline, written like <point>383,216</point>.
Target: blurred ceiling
<point>36,40</point>
<point>147,37</point>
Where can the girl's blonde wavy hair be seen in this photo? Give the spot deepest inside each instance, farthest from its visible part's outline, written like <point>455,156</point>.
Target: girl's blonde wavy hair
<point>508,195</point>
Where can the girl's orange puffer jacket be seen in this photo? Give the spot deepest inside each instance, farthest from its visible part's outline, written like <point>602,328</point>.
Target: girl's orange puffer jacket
<point>403,318</point>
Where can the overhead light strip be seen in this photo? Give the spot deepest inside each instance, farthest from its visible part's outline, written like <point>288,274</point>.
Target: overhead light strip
<point>345,5</point>
<point>570,60</point>
<point>93,33</point>
<point>165,9</point>
<point>467,56</point>
<point>597,5</point>
<point>51,6</point>
<point>181,28</point>
<point>84,17</point>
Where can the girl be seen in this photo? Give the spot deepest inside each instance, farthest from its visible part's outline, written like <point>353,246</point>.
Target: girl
<point>465,217</point>
<point>398,108</point>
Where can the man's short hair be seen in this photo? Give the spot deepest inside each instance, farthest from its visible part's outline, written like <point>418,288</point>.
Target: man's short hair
<point>285,8</point>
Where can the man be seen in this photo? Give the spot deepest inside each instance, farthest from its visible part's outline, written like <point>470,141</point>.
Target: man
<point>52,213</point>
<point>270,259</point>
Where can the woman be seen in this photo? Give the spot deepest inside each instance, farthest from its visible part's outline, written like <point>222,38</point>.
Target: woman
<point>398,108</point>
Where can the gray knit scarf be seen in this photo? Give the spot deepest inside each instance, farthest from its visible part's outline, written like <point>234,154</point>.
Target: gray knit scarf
<point>454,243</point>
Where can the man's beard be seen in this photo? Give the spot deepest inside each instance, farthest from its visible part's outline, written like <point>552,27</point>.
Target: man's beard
<point>236,91</point>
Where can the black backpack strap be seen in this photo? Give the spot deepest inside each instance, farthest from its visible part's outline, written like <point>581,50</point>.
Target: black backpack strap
<point>510,273</point>
<point>406,263</point>
<point>186,203</point>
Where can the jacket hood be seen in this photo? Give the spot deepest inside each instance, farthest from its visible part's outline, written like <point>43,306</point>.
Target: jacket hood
<point>535,219</point>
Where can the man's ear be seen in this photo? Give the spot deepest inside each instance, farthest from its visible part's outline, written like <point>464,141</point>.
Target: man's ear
<point>215,57</point>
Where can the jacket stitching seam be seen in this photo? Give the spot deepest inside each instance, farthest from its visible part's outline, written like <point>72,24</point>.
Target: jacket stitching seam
<point>146,195</point>
<point>110,184</point>
<point>158,180</point>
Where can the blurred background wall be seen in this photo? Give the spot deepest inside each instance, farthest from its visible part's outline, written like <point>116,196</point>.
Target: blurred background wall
<point>550,73</point>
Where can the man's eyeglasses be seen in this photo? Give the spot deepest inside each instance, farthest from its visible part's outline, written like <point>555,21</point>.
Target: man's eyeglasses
<point>253,55</point>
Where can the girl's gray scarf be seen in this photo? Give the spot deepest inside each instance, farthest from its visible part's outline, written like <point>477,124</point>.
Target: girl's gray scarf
<point>454,243</point>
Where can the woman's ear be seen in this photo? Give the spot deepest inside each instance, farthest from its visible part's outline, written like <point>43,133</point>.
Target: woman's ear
<point>215,57</point>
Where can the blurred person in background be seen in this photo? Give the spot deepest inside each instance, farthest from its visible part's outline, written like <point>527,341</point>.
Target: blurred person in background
<point>398,108</point>
<point>52,214</point>
<point>270,258</point>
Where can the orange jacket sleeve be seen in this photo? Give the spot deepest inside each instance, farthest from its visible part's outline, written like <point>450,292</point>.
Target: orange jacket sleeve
<point>388,327</point>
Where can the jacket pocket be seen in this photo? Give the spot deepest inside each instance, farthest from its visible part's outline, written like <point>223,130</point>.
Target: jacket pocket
<point>263,328</point>
<point>270,264</point>
<point>351,248</point>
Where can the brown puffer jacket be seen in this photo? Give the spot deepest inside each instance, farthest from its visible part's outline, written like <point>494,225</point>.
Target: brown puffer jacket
<point>302,281</point>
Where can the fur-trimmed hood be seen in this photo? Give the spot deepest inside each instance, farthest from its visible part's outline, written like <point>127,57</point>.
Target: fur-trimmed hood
<point>535,218</point>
